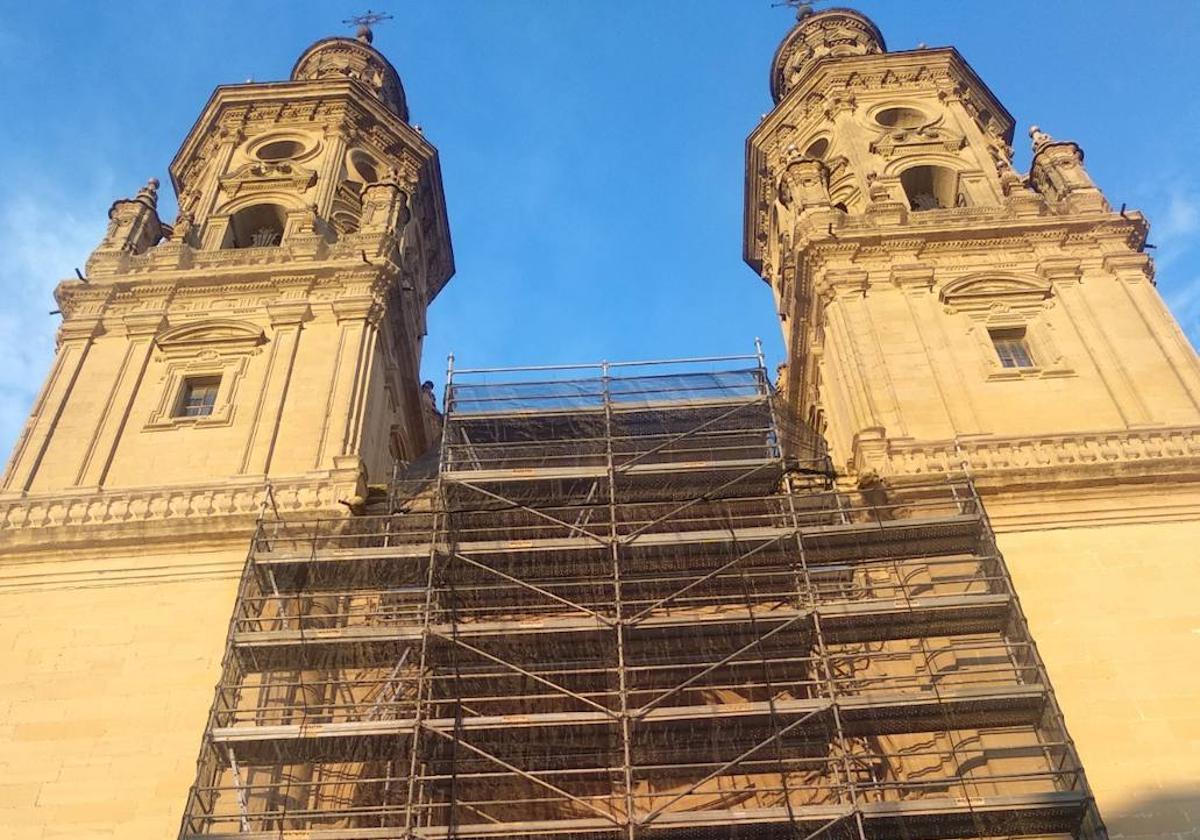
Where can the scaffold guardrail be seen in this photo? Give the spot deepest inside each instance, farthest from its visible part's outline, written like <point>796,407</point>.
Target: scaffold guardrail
<point>635,601</point>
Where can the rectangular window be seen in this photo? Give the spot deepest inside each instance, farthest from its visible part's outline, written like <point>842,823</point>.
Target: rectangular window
<point>1012,348</point>
<point>198,396</point>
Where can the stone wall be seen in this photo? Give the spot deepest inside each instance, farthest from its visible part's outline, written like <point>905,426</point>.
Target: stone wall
<point>105,690</point>
<point>1115,614</point>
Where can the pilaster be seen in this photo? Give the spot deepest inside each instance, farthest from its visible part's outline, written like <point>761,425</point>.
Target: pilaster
<point>347,377</point>
<point>1135,273</point>
<point>75,339</point>
<point>1064,273</point>
<point>139,332</point>
<point>287,321</point>
<point>915,283</point>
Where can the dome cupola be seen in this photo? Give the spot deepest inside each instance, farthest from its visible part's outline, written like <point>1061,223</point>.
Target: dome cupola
<point>833,32</point>
<point>354,58</point>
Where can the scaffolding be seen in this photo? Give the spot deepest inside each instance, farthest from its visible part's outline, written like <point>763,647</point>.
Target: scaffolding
<point>631,601</point>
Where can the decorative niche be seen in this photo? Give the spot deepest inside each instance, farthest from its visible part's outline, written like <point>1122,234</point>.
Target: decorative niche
<point>1007,319</point>
<point>212,351</point>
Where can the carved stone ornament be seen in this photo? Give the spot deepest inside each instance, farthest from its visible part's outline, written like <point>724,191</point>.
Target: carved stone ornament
<point>346,58</point>
<point>978,295</point>
<point>805,183</point>
<point>932,135</point>
<point>133,223</point>
<point>223,335</point>
<point>1058,174</point>
<point>1040,138</point>
<point>836,32</point>
<point>261,176</point>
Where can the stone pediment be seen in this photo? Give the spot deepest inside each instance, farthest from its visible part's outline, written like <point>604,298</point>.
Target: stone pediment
<point>221,335</point>
<point>981,292</point>
<point>262,177</point>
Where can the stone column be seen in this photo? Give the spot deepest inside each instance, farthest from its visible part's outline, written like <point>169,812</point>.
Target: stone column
<point>867,429</point>
<point>362,381</point>
<point>336,140</point>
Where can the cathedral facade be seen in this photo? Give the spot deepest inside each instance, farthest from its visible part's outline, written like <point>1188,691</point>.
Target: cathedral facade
<point>258,356</point>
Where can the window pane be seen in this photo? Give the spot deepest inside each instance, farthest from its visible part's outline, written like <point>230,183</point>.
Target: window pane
<point>198,397</point>
<point>1012,349</point>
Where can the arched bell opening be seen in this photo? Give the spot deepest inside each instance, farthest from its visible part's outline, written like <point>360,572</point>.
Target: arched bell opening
<point>931,188</point>
<point>258,226</point>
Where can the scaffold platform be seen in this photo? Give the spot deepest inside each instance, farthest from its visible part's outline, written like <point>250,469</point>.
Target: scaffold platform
<point>634,601</point>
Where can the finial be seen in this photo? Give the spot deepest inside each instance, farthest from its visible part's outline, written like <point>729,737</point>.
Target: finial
<point>803,8</point>
<point>149,192</point>
<point>1040,138</point>
<point>364,22</point>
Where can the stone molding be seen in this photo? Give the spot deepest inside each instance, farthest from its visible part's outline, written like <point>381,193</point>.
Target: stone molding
<point>88,309</point>
<point>41,575</point>
<point>1144,453</point>
<point>92,517</point>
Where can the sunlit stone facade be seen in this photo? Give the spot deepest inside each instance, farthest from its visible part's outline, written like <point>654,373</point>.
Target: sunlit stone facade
<point>942,312</point>
<point>270,336</point>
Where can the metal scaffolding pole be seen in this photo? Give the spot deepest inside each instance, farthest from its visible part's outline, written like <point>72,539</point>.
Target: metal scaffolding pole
<point>634,603</point>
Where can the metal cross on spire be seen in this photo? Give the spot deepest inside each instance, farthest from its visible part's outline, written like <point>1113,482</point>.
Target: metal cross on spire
<point>364,22</point>
<point>803,8</point>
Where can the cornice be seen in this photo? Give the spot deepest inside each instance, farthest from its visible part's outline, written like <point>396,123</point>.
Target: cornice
<point>1114,237</point>
<point>142,324</point>
<point>289,313</point>
<point>913,276</point>
<point>984,229</point>
<point>1141,456</point>
<point>1109,504</point>
<point>175,292</point>
<point>1014,507</point>
<point>81,329</point>
<point>1130,266</point>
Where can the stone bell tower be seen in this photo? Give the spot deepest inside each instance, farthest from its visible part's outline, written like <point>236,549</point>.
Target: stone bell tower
<point>270,335</point>
<point>275,328</point>
<point>943,312</point>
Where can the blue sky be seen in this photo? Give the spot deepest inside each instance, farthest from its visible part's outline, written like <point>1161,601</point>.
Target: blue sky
<point>592,149</point>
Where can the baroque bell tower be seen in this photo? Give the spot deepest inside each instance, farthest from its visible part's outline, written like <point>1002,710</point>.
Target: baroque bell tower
<point>945,312</point>
<point>274,329</point>
<point>262,349</point>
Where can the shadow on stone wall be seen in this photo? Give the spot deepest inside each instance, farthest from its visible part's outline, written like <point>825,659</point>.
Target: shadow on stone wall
<point>1167,814</point>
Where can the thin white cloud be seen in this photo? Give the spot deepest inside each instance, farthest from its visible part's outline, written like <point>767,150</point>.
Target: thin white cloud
<point>1175,227</point>
<point>43,237</point>
<point>1182,217</point>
